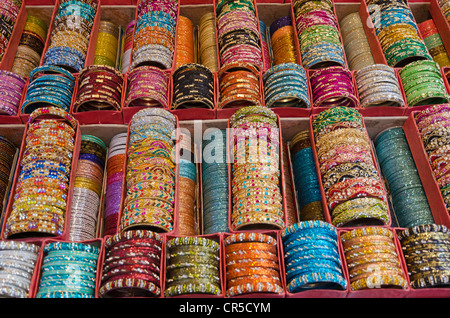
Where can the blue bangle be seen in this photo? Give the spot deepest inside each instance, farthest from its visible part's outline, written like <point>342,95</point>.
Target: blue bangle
<point>318,280</point>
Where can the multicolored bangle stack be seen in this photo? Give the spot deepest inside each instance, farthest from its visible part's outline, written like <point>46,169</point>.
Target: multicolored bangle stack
<point>353,188</point>
<point>378,85</point>
<point>148,86</point>
<point>256,187</point>
<point>193,87</point>
<point>132,265</point>
<point>332,87</point>
<point>192,266</point>
<point>99,88</point>
<point>239,85</point>
<point>7,154</point>
<point>372,259</point>
<point>187,189</point>
<point>445,7</point>
<point>69,270</point>
<point>150,174</point>
<point>291,207</point>
<point>283,41</point>
<point>252,264</point>
<point>238,33</point>
<point>87,189</point>
<point>8,15</point>
<point>11,89</point>
<point>114,182</point>
<point>397,32</point>
<point>318,34</point>
<point>266,54</point>
<point>286,85</point>
<point>433,41</point>
<point>40,197</point>
<point>423,84</point>
<point>49,85</point>
<point>154,34</point>
<point>185,53</point>
<point>408,197</point>
<point>207,36</point>
<point>107,47</point>
<point>18,262</point>
<point>69,41</point>
<point>306,180</point>
<point>433,125</point>
<point>31,46</point>
<point>215,182</point>
<point>311,257</point>
<point>425,248</point>
<point>356,45</point>
<point>127,48</point>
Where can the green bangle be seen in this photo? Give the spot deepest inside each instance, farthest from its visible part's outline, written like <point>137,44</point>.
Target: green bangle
<point>428,98</point>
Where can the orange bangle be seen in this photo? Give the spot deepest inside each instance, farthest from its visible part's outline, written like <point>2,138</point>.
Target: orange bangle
<point>251,245</point>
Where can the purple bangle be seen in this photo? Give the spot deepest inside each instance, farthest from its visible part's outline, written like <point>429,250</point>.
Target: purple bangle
<point>279,23</point>
<point>4,109</point>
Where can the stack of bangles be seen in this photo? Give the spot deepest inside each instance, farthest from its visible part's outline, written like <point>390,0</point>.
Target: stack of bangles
<point>311,257</point>
<point>332,87</point>
<point>31,46</point>
<point>425,250</point>
<point>8,15</point>
<point>147,86</point>
<point>289,196</point>
<point>397,33</point>
<point>154,34</point>
<point>132,265</point>
<point>238,33</point>
<point>150,175</point>
<point>215,182</point>
<point>377,85</point>
<point>353,188</point>
<point>434,130</point>
<point>372,259</point>
<point>187,189</point>
<point>407,194</point>
<point>87,189</point>
<point>17,267</point>
<point>7,154</point>
<point>286,85</point>
<point>192,266</point>
<point>255,184</point>
<point>306,180</point>
<point>239,85</point>
<point>185,53</point>
<point>99,88</point>
<point>318,34</point>
<point>207,38</point>
<point>49,85</point>
<point>40,196</point>
<point>69,270</point>
<point>69,40</point>
<point>445,7</point>
<point>12,87</point>
<point>356,45</point>
<point>115,173</point>
<point>193,87</point>
<point>252,264</point>
<point>127,48</point>
<point>266,52</point>
<point>423,84</point>
<point>433,41</point>
<point>283,41</point>
<point>107,46</point>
